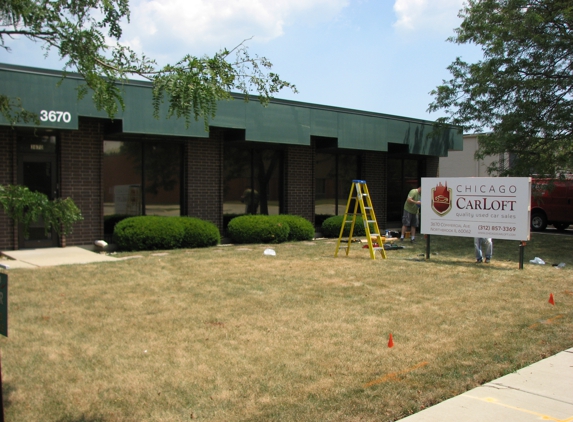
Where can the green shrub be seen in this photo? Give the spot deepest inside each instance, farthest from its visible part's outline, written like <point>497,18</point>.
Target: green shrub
<point>147,233</point>
<point>257,229</point>
<point>109,221</point>
<point>331,227</point>
<point>300,227</point>
<point>319,219</point>
<point>227,218</point>
<point>199,233</point>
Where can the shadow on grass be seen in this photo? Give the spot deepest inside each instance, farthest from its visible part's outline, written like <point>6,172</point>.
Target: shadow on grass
<point>7,390</point>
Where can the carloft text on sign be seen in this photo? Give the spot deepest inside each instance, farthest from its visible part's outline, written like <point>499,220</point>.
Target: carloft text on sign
<point>496,207</point>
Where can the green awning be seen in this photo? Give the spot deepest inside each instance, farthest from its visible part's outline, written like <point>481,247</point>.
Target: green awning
<point>285,122</point>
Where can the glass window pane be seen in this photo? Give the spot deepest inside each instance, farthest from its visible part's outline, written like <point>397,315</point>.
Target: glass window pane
<point>162,171</point>
<point>325,181</point>
<point>122,178</point>
<point>395,204</point>
<point>411,175</point>
<point>253,181</point>
<point>237,182</point>
<point>347,172</point>
<point>267,170</point>
<point>333,179</point>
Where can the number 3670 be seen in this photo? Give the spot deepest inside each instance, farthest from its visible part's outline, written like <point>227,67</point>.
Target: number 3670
<point>55,116</point>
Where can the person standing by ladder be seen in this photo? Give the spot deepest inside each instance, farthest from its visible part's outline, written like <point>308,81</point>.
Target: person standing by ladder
<point>411,211</point>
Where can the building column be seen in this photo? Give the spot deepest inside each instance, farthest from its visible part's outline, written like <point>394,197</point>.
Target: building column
<point>81,163</point>
<point>299,181</point>
<point>8,164</point>
<point>204,178</point>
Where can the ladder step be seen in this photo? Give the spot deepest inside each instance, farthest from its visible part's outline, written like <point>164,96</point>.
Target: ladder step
<point>360,195</point>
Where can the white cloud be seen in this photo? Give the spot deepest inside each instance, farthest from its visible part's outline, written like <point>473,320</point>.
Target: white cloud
<point>435,15</point>
<point>200,26</point>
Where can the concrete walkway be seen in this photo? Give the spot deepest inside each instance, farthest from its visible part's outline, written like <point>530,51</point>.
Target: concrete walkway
<point>539,392</point>
<point>47,257</point>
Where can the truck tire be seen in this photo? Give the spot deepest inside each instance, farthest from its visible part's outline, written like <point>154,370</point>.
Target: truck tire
<point>538,221</point>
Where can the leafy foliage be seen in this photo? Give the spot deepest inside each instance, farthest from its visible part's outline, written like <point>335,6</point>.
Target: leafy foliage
<point>299,227</point>
<point>258,229</point>
<point>147,233</point>
<point>110,221</point>
<point>198,233</point>
<point>25,207</point>
<point>521,92</point>
<point>13,111</point>
<point>82,32</point>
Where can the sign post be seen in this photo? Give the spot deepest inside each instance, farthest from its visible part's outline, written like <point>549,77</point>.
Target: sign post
<point>3,328</point>
<point>4,304</point>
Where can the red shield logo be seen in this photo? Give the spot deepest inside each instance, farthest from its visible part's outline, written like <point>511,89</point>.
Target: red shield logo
<point>441,199</point>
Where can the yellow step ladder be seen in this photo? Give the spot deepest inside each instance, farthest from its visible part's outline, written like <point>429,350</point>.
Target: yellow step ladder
<point>362,206</point>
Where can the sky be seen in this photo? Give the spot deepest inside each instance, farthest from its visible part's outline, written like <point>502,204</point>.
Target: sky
<point>382,56</point>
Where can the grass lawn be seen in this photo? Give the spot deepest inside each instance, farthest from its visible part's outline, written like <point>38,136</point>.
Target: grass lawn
<point>230,334</point>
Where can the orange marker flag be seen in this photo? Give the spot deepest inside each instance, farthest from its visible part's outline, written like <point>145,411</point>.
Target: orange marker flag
<point>390,341</point>
<point>551,300</point>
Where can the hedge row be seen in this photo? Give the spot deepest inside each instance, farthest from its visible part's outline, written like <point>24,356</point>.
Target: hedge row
<point>154,232</point>
<point>269,229</point>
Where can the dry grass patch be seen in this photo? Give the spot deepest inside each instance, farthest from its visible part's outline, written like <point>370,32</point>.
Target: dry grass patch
<point>226,333</point>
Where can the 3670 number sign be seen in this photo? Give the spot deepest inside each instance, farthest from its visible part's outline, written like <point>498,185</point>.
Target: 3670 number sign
<point>55,116</point>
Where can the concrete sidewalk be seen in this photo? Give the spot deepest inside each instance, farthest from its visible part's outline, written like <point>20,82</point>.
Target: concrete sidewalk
<point>47,257</point>
<point>539,392</point>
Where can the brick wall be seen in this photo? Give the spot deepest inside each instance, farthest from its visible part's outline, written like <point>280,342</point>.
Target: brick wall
<point>374,170</point>
<point>204,179</point>
<point>299,181</point>
<point>8,239</point>
<point>81,179</point>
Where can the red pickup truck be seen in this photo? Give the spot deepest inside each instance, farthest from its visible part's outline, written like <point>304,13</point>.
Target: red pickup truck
<point>551,204</point>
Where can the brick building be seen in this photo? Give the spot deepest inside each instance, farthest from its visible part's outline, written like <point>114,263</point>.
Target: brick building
<point>289,157</point>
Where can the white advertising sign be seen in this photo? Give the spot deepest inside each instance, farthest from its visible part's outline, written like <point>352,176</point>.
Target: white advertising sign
<point>496,207</point>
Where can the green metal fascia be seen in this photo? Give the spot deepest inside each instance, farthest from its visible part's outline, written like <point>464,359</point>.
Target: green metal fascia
<point>38,93</point>
<point>277,123</point>
<point>281,121</point>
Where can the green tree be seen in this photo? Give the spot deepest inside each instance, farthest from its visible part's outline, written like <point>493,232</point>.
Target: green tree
<point>77,30</point>
<point>26,207</point>
<point>520,93</point>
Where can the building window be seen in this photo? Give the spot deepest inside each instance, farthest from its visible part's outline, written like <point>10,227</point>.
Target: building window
<point>253,182</point>
<point>334,174</point>
<point>142,178</point>
<point>403,175</point>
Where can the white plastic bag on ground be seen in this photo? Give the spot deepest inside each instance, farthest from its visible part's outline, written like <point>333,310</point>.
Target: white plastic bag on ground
<point>538,261</point>
<point>270,252</point>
